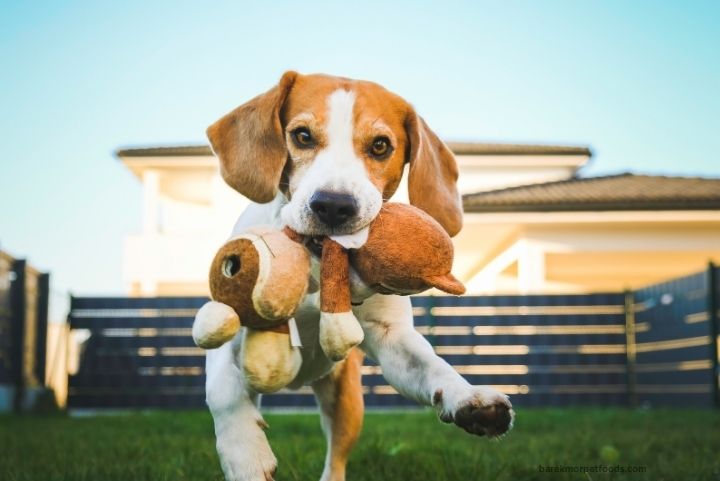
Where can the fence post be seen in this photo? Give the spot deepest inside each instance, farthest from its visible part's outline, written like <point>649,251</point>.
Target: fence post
<point>630,347</point>
<point>43,300</point>
<point>713,304</point>
<point>68,345</point>
<point>17,343</point>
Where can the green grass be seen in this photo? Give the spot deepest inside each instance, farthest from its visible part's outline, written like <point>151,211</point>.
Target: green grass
<point>670,444</point>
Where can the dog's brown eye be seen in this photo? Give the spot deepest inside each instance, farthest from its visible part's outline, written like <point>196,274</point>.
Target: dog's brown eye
<point>303,138</point>
<point>380,147</point>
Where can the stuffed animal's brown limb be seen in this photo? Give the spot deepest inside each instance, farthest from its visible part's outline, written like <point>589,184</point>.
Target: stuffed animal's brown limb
<point>335,278</point>
<point>339,328</point>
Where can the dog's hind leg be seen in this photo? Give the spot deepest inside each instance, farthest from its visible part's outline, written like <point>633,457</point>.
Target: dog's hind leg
<point>339,395</point>
<point>244,452</point>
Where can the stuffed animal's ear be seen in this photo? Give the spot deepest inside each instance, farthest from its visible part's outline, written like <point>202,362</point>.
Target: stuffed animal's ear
<point>448,283</point>
<point>250,143</point>
<point>433,175</point>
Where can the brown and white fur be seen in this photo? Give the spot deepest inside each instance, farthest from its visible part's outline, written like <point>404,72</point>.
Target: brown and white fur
<point>262,157</point>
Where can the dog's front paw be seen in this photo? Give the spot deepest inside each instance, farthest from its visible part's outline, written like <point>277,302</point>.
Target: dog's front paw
<point>484,412</point>
<point>244,460</point>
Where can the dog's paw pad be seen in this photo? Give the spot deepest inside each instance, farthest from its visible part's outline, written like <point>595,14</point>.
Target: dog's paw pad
<point>490,419</point>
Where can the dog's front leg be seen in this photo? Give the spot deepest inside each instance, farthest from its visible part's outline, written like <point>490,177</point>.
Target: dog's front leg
<point>411,366</point>
<point>244,452</point>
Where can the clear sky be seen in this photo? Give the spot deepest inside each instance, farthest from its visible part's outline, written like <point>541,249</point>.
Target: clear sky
<point>637,81</point>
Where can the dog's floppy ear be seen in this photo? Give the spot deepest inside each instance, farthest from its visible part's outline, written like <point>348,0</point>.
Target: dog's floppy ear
<point>433,175</point>
<point>250,143</point>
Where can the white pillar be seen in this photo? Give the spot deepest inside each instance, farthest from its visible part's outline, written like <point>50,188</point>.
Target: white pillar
<point>485,281</point>
<point>151,201</point>
<point>531,268</point>
<point>151,228</point>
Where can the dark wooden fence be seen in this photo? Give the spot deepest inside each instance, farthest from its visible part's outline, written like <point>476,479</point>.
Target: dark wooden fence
<point>139,353</point>
<point>674,359</point>
<point>24,294</point>
<point>559,350</point>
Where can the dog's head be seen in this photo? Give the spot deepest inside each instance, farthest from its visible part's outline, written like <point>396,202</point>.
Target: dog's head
<point>336,149</point>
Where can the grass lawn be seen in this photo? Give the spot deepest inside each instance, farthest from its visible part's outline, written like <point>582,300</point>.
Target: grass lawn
<point>670,444</point>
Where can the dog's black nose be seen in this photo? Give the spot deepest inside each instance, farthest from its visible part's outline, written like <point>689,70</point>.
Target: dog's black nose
<point>333,209</point>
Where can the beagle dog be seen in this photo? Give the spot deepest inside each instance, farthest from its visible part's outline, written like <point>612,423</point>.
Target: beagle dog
<point>321,154</point>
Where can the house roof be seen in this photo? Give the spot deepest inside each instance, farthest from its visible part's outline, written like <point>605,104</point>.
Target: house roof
<point>172,151</point>
<point>613,192</point>
<point>459,148</point>
<point>477,148</point>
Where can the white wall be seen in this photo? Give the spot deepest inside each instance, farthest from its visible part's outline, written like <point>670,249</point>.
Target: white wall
<point>189,212</point>
<point>181,236</point>
<point>591,252</point>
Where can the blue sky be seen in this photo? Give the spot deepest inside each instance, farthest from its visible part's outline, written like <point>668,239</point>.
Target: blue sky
<point>639,82</point>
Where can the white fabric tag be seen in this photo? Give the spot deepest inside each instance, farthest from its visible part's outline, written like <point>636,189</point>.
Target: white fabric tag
<point>294,333</point>
<point>352,241</point>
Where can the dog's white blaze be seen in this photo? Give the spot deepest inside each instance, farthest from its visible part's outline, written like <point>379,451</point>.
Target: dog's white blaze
<point>340,125</point>
<point>338,163</point>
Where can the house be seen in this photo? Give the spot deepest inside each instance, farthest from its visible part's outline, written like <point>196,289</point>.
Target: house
<point>590,234</point>
<point>532,224</point>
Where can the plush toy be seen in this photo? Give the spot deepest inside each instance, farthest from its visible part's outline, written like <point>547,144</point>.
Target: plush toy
<point>257,279</point>
<point>406,252</point>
